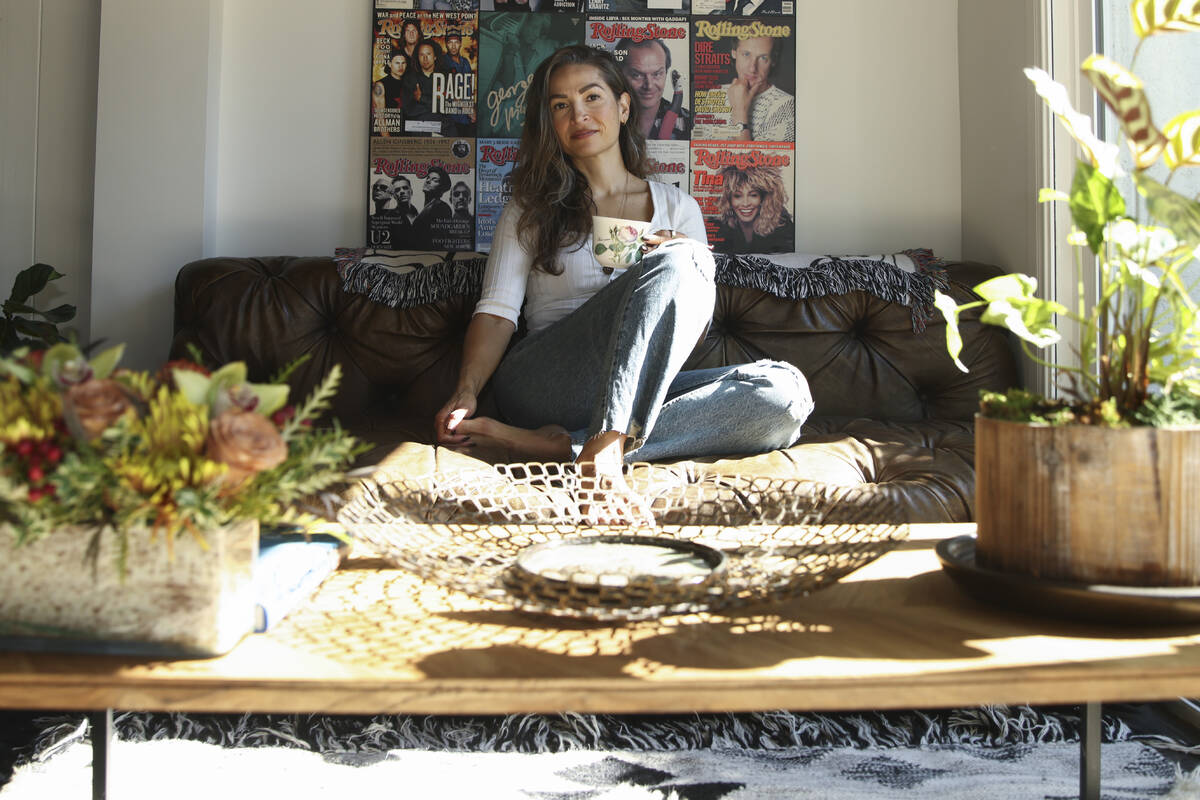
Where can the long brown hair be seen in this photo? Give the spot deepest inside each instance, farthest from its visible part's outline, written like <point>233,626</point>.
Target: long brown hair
<point>555,199</point>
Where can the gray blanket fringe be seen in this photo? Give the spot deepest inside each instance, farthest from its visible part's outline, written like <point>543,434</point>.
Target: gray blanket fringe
<point>835,275</point>
<point>415,288</point>
<point>828,276</point>
<point>992,726</point>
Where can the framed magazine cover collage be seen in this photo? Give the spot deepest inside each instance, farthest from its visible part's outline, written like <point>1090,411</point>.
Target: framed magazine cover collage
<point>448,82</point>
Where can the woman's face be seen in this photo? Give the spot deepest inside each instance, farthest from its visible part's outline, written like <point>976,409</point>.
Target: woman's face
<point>746,203</point>
<point>585,113</point>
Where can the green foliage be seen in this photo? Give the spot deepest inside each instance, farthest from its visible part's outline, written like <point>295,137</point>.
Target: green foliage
<point>1139,344</point>
<point>22,325</point>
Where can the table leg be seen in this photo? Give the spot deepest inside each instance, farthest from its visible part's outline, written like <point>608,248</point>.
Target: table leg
<point>1089,752</point>
<point>102,727</point>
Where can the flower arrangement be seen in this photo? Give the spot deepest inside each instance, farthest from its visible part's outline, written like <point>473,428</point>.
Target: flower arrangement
<point>177,452</point>
<point>1139,347</point>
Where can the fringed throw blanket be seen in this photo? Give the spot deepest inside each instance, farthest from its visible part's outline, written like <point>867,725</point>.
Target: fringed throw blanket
<point>908,278</point>
<point>405,279</point>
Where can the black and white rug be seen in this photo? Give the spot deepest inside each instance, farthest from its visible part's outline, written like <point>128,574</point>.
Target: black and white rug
<point>992,752</point>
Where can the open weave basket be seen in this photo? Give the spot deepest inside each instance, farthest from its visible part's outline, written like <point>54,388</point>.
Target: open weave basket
<point>465,530</point>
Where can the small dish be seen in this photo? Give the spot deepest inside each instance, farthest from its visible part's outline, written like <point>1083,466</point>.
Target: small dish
<point>1138,605</point>
<point>616,571</point>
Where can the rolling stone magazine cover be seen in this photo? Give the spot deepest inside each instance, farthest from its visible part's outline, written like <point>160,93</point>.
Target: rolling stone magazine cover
<point>448,103</point>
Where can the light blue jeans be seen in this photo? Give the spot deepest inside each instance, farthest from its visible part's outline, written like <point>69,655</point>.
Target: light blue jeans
<point>614,364</point>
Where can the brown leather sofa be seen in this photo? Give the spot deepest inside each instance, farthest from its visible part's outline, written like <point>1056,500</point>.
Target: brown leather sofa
<point>893,414</point>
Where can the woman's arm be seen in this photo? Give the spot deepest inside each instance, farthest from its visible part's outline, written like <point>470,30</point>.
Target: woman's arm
<point>487,339</point>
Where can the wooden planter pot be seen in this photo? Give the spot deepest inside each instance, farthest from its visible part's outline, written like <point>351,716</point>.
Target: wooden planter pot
<point>196,602</point>
<point>1088,504</point>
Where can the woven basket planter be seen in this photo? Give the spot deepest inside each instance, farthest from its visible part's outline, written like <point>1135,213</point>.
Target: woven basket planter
<point>193,600</point>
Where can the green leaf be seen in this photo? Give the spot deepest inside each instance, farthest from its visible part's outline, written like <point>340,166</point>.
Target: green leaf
<point>1031,319</point>
<point>19,371</point>
<point>600,248</point>
<point>32,280</point>
<point>1183,140</point>
<point>41,331</point>
<point>1005,287</point>
<point>63,313</point>
<point>192,385</point>
<point>1164,16</point>
<point>1125,95</point>
<point>106,362</point>
<point>1094,202</point>
<point>11,307</point>
<point>228,376</point>
<point>954,343</point>
<point>1179,214</point>
<point>271,397</point>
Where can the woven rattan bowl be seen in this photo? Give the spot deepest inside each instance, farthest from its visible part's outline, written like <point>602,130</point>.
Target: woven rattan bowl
<point>477,531</point>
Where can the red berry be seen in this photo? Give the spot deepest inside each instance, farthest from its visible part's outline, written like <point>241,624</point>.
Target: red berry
<point>54,454</point>
<point>35,495</point>
<point>24,448</point>
<point>49,489</point>
<point>284,414</point>
<point>36,475</point>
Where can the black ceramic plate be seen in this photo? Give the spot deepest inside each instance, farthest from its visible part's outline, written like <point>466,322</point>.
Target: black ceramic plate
<point>1138,605</point>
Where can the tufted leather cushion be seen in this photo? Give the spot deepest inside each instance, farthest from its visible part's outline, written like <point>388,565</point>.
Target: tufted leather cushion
<point>892,410</point>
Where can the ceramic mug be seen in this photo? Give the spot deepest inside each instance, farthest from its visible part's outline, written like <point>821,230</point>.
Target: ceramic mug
<point>616,242</point>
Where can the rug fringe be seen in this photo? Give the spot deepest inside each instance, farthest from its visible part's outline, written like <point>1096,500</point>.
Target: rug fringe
<point>992,726</point>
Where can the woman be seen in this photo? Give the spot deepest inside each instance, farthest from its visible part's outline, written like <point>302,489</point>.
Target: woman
<point>598,378</point>
<point>753,216</point>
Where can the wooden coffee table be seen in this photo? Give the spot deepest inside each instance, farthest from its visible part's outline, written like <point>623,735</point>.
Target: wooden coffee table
<point>895,634</point>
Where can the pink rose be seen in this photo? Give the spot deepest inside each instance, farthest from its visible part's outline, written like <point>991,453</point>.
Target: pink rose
<point>246,442</point>
<point>627,234</point>
<point>90,407</point>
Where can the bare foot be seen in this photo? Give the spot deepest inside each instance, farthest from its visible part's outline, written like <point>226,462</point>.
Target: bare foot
<point>605,497</point>
<point>547,443</point>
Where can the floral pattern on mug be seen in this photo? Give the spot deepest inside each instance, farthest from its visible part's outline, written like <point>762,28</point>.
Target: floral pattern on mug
<point>624,245</point>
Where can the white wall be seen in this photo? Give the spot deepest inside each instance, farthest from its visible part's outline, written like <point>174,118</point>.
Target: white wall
<point>1000,115</point>
<point>292,146</point>
<point>48,55</point>
<point>877,140</point>
<point>152,169</point>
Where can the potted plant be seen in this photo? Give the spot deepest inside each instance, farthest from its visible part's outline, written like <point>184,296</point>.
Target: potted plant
<point>22,325</point>
<point>1100,486</point>
<point>130,501</point>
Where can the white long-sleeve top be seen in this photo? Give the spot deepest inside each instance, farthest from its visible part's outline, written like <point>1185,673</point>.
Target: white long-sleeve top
<point>510,279</point>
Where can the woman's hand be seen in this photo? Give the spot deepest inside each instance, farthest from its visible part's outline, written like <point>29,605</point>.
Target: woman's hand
<point>445,423</point>
<point>653,240</point>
